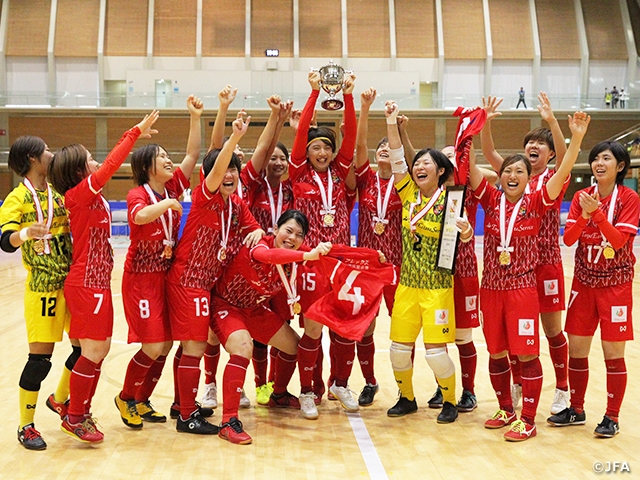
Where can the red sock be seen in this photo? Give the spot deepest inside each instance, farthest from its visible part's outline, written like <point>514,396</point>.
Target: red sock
<point>559,353</point>
<point>516,370</point>
<point>273,354</point>
<point>80,386</point>
<point>232,382</point>
<point>333,362</point>
<point>578,379</point>
<point>259,361</point>
<point>345,352</point>
<point>151,380</point>
<point>616,385</point>
<point>531,388</point>
<point>176,385</point>
<point>468,365</point>
<point>307,352</point>
<point>96,378</point>
<point>499,373</point>
<point>188,379</point>
<point>136,372</point>
<point>211,358</point>
<point>366,352</point>
<point>286,365</point>
<point>318,383</point>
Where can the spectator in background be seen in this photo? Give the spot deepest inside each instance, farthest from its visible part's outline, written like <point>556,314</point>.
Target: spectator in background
<point>607,97</point>
<point>521,98</point>
<point>615,96</point>
<point>624,96</point>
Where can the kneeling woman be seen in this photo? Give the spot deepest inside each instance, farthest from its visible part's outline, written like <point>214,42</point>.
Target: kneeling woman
<point>240,313</point>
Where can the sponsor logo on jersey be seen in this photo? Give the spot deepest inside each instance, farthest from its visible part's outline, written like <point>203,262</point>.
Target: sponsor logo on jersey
<point>526,327</point>
<point>619,314</point>
<point>471,303</point>
<point>442,317</point>
<point>551,287</point>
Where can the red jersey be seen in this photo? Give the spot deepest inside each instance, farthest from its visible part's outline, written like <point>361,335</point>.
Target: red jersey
<point>306,192</point>
<point>90,221</point>
<point>389,241</point>
<point>520,272</point>
<point>592,268</point>
<point>548,236</point>
<point>196,263</point>
<point>258,200</point>
<point>146,247</point>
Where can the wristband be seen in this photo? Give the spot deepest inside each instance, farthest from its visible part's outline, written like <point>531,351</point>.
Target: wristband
<point>398,163</point>
<point>24,234</point>
<point>392,120</point>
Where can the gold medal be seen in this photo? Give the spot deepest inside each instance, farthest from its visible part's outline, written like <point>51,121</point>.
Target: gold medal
<point>222,254</point>
<point>609,252</point>
<point>297,308</point>
<point>378,228</point>
<point>38,246</point>
<point>167,252</point>
<point>504,258</point>
<point>328,220</point>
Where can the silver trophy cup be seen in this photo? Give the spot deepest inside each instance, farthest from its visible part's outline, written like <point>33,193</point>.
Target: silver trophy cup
<point>332,81</point>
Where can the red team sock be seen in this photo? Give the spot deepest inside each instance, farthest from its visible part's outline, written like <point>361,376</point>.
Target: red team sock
<point>151,380</point>
<point>259,361</point>
<point>211,358</point>
<point>286,365</point>
<point>136,373</point>
<point>468,365</point>
<point>80,385</point>
<point>578,379</point>
<point>616,385</point>
<point>516,370</point>
<point>273,354</point>
<point>188,379</point>
<point>96,379</point>
<point>176,385</point>
<point>318,382</point>
<point>500,373</point>
<point>307,353</point>
<point>366,352</point>
<point>232,382</point>
<point>559,352</point>
<point>333,362</point>
<point>345,353</point>
<point>531,388</point>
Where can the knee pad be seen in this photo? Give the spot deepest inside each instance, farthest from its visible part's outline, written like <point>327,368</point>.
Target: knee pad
<point>35,371</point>
<point>464,335</point>
<point>400,357</point>
<point>73,357</point>
<point>439,361</point>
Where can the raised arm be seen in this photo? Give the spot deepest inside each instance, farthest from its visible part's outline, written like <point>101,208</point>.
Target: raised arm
<point>475,173</point>
<point>348,144</point>
<point>268,137</point>
<point>578,125</point>
<point>366,99</point>
<point>299,150</point>
<point>226,96</point>
<point>396,152</point>
<point>409,151</point>
<point>489,151</point>
<point>215,176</point>
<point>546,112</point>
<point>196,107</point>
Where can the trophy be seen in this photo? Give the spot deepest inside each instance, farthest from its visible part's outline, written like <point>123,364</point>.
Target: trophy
<point>331,81</point>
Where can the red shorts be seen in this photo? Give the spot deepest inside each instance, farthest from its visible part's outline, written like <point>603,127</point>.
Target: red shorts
<point>189,312</point>
<point>279,304</point>
<point>550,280</point>
<point>510,320</point>
<point>91,312</point>
<point>261,323</point>
<point>609,307</point>
<point>465,296</point>
<point>145,308</point>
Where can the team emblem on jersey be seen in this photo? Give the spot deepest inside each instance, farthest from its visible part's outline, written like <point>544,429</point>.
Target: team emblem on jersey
<point>437,210</point>
<point>523,211</point>
<point>442,317</point>
<point>618,314</point>
<point>526,327</point>
<point>551,287</point>
<point>471,303</point>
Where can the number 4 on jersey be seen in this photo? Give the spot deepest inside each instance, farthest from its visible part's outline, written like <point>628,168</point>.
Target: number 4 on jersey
<point>356,297</point>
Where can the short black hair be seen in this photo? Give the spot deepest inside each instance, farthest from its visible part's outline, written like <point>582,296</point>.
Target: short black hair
<point>296,215</point>
<point>142,160</point>
<point>441,161</point>
<point>211,157</point>
<point>619,152</point>
<point>515,158</point>
<point>21,152</point>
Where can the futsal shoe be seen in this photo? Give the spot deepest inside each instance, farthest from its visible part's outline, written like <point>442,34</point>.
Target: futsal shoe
<point>500,419</point>
<point>308,406</point>
<point>436,401</point>
<point>234,432</point>
<point>196,424</point>
<point>263,392</point>
<point>206,412</point>
<point>520,431</point>
<point>128,413</point>
<point>367,395</point>
<point>561,400</point>
<point>448,414</point>
<point>244,400</point>
<point>607,428</point>
<point>343,394</point>
<point>467,403</point>
<point>567,417</point>
<point>85,432</point>
<point>403,407</point>
<point>58,407</point>
<point>284,400</point>
<point>30,438</point>
<point>149,414</point>
<point>210,397</point>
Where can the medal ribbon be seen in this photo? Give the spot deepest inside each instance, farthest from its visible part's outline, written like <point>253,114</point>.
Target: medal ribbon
<point>505,240</point>
<point>290,284</point>
<point>414,220</point>
<point>327,197</point>
<point>381,207</point>
<point>275,213</point>
<point>168,230</point>
<point>225,229</point>
<point>40,212</point>
<point>612,206</point>
<point>541,178</point>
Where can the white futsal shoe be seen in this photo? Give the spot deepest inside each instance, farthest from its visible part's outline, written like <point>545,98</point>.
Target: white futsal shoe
<point>346,398</point>
<point>561,401</point>
<point>210,397</point>
<point>308,406</point>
